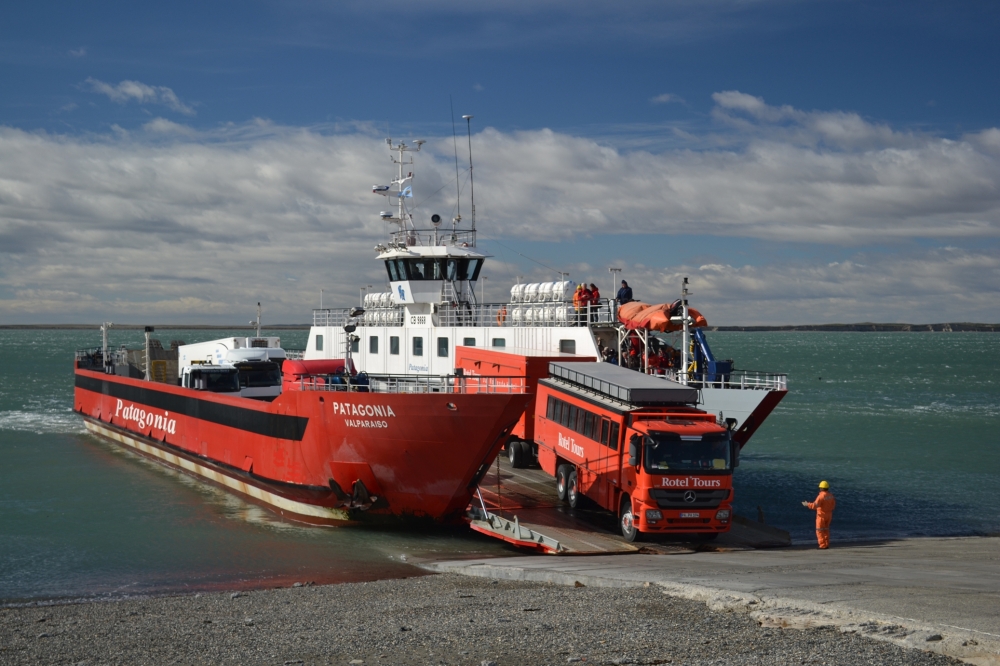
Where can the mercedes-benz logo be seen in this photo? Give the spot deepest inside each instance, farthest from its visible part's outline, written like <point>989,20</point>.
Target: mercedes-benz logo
<point>690,496</point>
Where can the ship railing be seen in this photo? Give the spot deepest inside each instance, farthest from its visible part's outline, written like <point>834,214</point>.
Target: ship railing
<point>498,315</point>
<point>330,317</point>
<point>736,379</point>
<point>434,237</point>
<point>93,359</point>
<point>463,384</point>
<point>295,354</point>
<point>508,315</point>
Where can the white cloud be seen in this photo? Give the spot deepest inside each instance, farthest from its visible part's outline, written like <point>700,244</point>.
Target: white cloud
<point>78,53</point>
<point>665,98</point>
<point>170,223</point>
<point>164,126</point>
<point>135,91</point>
<point>933,286</point>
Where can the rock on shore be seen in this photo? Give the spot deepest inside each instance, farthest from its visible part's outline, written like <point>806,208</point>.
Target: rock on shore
<point>443,619</point>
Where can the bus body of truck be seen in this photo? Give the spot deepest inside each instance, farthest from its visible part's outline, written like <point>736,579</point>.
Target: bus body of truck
<point>636,446</point>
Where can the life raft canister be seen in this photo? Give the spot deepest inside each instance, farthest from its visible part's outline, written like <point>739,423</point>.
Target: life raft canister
<point>502,316</point>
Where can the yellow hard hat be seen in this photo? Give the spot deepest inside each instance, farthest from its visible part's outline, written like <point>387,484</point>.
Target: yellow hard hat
<point>824,485</point>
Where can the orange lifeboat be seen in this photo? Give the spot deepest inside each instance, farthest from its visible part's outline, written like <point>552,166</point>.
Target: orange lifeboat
<point>637,315</point>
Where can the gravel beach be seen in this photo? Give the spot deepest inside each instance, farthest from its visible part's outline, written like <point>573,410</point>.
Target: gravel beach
<point>437,619</point>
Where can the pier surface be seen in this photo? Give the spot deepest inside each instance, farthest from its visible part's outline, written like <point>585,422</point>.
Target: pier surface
<point>936,594</point>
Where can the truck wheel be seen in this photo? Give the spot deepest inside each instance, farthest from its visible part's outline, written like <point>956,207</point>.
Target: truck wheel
<point>527,455</point>
<point>562,480</point>
<point>515,454</point>
<point>572,490</point>
<point>627,520</point>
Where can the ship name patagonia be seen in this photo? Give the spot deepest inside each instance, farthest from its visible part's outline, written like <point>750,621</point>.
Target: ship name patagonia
<point>352,409</point>
<point>143,418</point>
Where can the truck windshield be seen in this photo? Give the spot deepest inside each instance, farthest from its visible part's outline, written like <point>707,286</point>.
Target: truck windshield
<point>221,382</point>
<point>259,373</point>
<point>669,452</point>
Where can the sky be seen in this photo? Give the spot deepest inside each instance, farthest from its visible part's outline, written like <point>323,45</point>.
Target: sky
<point>803,162</point>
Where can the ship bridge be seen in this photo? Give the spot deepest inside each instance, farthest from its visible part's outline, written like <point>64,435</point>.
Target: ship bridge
<point>431,274</point>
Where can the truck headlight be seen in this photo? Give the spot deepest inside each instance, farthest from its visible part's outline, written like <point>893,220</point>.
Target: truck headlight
<point>722,514</point>
<point>653,515</point>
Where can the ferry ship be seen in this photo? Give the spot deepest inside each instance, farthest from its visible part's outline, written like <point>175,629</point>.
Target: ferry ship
<point>315,442</point>
<point>430,309</point>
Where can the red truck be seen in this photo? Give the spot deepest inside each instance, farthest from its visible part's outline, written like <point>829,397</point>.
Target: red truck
<point>634,444</point>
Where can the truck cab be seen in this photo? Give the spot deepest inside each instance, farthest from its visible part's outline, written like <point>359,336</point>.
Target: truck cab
<point>679,468</point>
<point>212,378</point>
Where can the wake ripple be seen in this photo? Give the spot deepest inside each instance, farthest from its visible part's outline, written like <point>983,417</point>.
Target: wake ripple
<point>42,423</point>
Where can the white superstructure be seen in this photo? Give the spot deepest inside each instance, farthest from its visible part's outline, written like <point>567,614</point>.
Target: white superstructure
<point>430,307</point>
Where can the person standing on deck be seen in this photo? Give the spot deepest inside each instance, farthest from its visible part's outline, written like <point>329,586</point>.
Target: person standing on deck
<point>595,301</point>
<point>588,300</point>
<point>823,505</point>
<point>624,294</point>
<point>579,306</point>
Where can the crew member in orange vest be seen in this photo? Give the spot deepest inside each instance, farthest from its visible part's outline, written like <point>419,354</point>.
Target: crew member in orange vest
<point>595,301</point>
<point>823,505</point>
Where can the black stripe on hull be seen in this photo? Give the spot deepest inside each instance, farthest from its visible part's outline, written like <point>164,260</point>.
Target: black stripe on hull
<point>280,426</point>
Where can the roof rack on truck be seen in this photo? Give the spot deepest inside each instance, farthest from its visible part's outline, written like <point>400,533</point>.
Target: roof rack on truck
<point>623,385</point>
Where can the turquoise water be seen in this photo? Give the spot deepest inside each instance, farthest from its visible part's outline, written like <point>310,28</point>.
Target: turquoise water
<point>903,425</point>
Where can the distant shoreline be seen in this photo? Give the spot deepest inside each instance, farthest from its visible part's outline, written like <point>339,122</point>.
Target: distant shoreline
<point>953,327</point>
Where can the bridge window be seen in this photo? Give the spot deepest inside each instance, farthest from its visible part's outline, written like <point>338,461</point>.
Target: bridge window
<point>373,344</point>
<point>500,342</point>
<point>469,342</point>
<point>390,265</point>
<point>418,346</point>
<point>462,269</point>
<point>319,342</point>
<point>567,346</point>
<point>394,345</point>
<point>443,347</point>
<point>423,269</point>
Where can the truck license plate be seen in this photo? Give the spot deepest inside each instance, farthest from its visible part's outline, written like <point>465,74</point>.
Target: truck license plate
<point>690,515</point>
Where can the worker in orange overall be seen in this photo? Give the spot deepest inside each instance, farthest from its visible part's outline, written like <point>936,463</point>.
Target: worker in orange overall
<point>823,505</point>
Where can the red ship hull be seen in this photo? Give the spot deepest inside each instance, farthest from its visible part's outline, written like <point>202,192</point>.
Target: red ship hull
<point>320,457</point>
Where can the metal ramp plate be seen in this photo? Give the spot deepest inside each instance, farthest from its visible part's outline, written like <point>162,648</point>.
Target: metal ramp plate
<point>551,539</point>
<point>521,508</point>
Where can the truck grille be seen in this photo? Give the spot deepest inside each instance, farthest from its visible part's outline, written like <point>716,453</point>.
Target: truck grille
<point>675,499</point>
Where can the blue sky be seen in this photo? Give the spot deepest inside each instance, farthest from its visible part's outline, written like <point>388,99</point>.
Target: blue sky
<point>803,161</point>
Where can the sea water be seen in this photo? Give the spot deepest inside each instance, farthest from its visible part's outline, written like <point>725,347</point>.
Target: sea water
<point>903,426</point>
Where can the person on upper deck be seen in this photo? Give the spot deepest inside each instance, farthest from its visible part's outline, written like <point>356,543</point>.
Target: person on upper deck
<point>624,294</point>
<point>595,301</point>
<point>588,302</point>
<point>579,304</point>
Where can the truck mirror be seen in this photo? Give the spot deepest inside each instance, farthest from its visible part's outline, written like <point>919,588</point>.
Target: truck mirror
<point>633,450</point>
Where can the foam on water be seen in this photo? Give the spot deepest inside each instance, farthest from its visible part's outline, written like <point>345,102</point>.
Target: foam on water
<point>42,423</point>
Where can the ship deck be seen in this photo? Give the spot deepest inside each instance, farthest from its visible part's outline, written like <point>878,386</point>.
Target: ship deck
<point>529,496</point>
